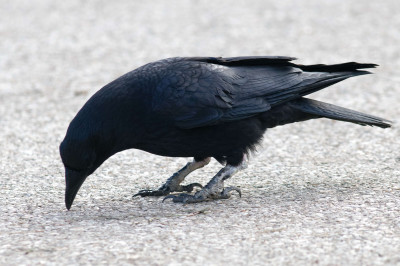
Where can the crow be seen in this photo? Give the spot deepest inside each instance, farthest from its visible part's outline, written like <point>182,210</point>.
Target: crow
<point>200,107</point>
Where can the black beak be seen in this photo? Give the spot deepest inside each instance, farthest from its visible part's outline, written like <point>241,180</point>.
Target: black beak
<point>73,180</point>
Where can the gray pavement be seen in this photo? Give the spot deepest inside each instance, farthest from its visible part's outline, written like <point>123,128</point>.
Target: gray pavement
<point>319,192</point>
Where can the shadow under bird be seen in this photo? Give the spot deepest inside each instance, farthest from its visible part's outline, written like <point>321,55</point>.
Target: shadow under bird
<point>199,107</point>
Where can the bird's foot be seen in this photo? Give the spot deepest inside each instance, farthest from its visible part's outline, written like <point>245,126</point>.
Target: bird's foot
<point>173,183</point>
<point>203,195</point>
<point>166,189</point>
<point>214,189</point>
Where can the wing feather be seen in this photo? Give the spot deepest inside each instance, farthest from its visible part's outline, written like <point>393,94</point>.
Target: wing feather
<point>204,91</point>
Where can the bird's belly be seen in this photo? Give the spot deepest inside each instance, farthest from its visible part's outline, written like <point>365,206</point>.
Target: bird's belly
<point>212,141</point>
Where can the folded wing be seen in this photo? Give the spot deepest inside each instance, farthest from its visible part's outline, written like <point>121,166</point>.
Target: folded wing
<point>197,92</point>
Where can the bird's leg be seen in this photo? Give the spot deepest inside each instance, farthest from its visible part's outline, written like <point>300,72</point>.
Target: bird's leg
<point>214,189</point>
<point>173,183</point>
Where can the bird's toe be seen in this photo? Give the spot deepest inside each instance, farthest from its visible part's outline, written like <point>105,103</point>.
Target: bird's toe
<point>148,192</point>
<point>190,187</point>
<point>184,198</point>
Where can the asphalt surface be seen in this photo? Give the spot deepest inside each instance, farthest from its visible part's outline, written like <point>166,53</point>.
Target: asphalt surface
<point>318,192</point>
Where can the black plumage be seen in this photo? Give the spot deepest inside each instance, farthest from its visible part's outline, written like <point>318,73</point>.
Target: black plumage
<point>199,107</point>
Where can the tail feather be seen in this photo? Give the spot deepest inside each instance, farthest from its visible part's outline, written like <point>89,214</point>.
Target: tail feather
<point>350,66</point>
<point>316,82</point>
<point>331,111</point>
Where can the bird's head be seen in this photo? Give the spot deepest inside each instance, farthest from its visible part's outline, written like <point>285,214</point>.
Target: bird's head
<point>83,150</point>
<point>89,141</point>
<point>103,127</point>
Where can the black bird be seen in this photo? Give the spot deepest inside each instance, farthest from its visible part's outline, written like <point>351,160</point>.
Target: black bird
<point>199,107</point>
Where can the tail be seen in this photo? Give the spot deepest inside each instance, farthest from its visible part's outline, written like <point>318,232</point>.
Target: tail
<point>331,111</point>
<point>317,77</point>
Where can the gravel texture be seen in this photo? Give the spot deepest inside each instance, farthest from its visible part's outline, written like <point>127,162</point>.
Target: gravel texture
<point>318,192</point>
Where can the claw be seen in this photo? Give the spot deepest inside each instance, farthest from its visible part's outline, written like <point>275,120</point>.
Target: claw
<point>169,197</point>
<point>141,192</point>
<point>138,194</point>
<point>225,193</point>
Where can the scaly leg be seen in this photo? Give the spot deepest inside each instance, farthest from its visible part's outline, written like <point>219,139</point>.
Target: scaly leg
<point>214,189</point>
<point>173,183</point>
